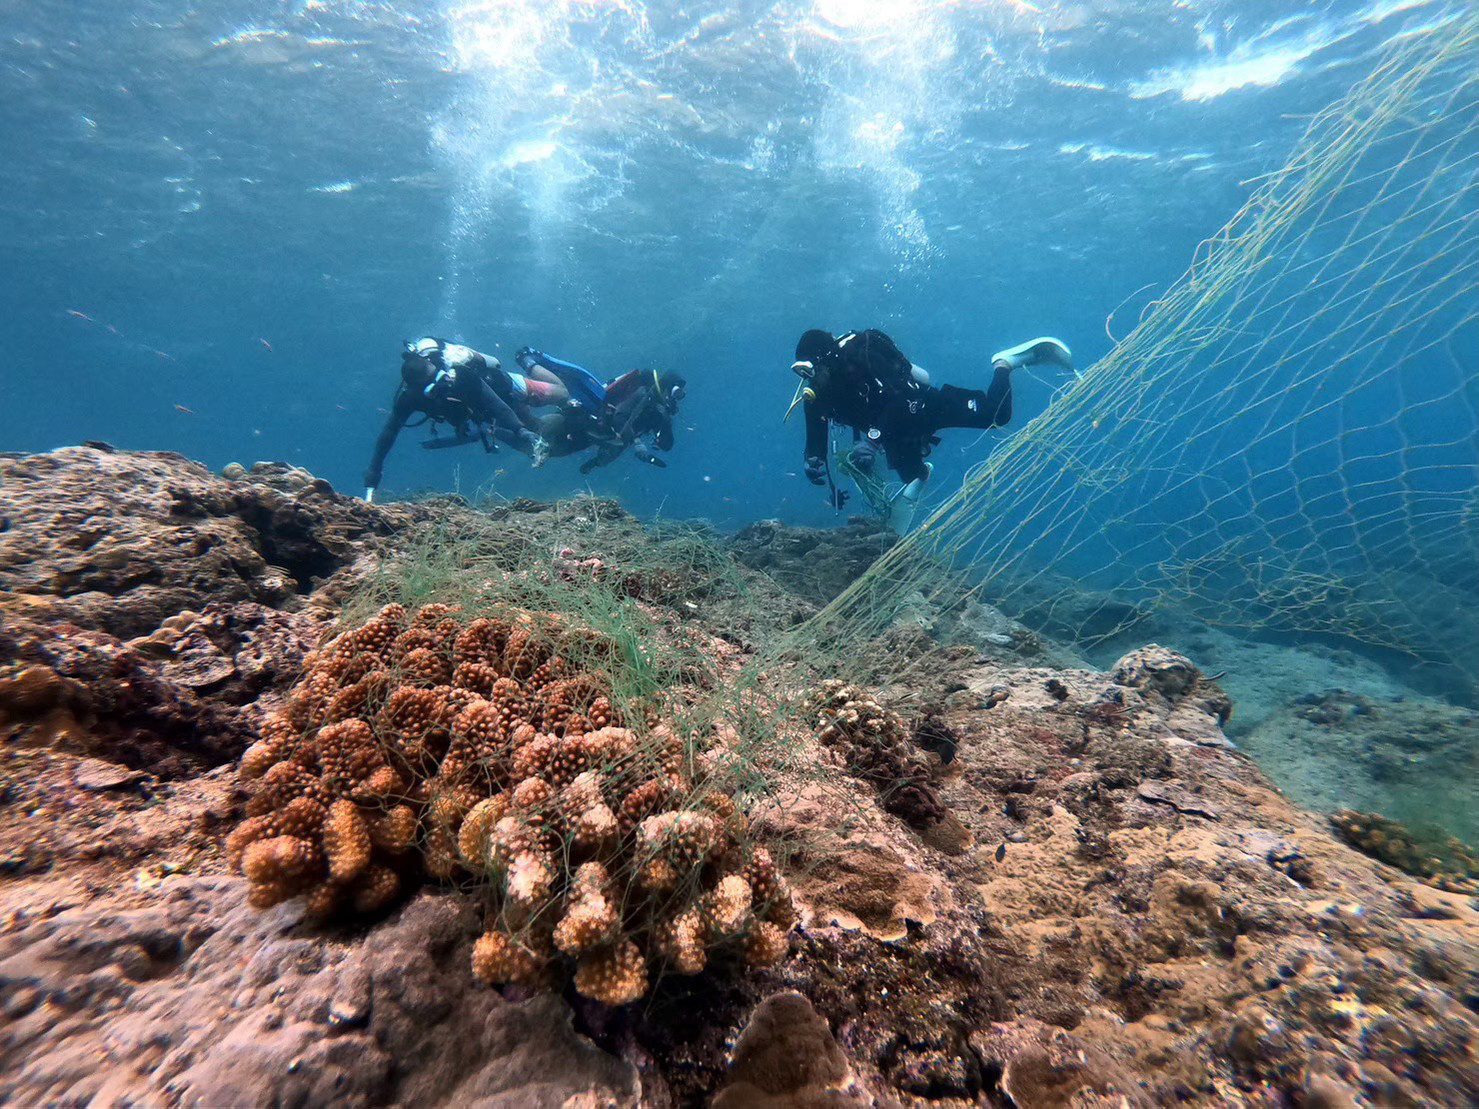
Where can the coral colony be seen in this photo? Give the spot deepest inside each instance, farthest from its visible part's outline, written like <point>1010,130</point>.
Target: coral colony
<point>480,753</point>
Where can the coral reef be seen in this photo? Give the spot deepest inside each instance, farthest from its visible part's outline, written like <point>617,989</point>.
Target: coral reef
<point>1146,920</point>
<point>484,751</point>
<point>877,748</point>
<point>786,1056</point>
<point>120,542</point>
<point>1437,858</point>
<point>140,703</point>
<point>810,562</point>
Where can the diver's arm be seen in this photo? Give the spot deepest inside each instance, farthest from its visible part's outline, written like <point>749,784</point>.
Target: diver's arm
<point>489,408</point>
<point>630,418</point>
<point>606,454</point>
<point>663,439</point>
<point>815,455</point>
<point>647,447</point>
<point>400,411</point>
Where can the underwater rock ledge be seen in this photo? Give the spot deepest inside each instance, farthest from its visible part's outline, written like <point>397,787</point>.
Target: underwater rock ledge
<point>1124,911</point>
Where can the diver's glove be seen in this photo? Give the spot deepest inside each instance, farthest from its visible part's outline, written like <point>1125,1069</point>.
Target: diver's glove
<point>863,457</point>
<point>645,453</point>
<point>816,471</point>
<point>538,451</point>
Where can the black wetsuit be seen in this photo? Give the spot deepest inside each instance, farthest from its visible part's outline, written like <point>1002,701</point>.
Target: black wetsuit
<point>636,412</point>
<point>863,381</point>
<point>473,399</point>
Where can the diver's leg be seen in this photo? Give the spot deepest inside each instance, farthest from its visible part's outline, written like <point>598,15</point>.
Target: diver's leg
<point>580,384</point>
<point>524,441</point>
<point>553,391</point>
<point>906,458</point>
<point>540,389</point>
<point>562,433</point>
<point>949,406</point>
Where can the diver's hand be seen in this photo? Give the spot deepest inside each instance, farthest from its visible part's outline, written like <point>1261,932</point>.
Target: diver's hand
<point>645,453</point>
<point>816,471</point>
<point>538,452</point>
<point>863,457</point>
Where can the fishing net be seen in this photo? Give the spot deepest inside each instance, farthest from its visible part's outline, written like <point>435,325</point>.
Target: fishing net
<point>1288,439</point>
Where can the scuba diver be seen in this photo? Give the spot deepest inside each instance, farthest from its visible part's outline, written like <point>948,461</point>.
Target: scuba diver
<point>634,410</point>
<point>451,384</point>
<point>863,381</point>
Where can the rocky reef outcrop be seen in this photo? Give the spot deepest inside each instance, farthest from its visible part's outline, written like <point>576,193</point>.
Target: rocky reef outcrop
<point>813,563</point>
<point>1124,911</point>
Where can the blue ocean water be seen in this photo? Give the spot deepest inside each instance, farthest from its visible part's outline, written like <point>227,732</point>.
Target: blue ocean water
<point>218,220</point>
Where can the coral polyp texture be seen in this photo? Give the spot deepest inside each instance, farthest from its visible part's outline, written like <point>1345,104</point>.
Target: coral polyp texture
<point>1436,858</point>
<point>876,745</point>
<point>489,754</point>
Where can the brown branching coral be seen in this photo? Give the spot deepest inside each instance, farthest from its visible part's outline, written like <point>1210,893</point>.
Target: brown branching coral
<point>877,747</point>
<point>485,753</point>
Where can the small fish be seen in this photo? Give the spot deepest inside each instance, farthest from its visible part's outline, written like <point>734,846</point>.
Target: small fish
<point>499,473</point>
<point>1001,851</point>
<point>708,478</point>
<point>690,429</point>
<point>182,408</point>
<point>792,473</point>
<point>76,315</point>
<point>256,431</point>
<point>341,408</point>
<point>165,355</point>
<point>727,500</point>
<point>268,345</point>
<point>112,330</point>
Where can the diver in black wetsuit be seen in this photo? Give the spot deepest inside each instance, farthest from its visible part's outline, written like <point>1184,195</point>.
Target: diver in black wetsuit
<point>456,385</point>
<point>863,381</point>
<point>635,410</point>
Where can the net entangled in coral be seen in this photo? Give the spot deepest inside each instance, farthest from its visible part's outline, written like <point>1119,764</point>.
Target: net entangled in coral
<point>486,754</point>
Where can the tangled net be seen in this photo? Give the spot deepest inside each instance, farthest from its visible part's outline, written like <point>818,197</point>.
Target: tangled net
<point>480,752</point>
<point>1290,437</point>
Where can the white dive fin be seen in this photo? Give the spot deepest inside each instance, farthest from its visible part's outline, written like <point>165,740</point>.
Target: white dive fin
<point>902,504</point>
<point>370,495</point>
<point>1035,352</point>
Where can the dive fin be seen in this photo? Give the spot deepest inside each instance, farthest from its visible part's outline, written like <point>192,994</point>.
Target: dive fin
<point>1035,352</point>
<point>579,382</point>
<point>902,504</point>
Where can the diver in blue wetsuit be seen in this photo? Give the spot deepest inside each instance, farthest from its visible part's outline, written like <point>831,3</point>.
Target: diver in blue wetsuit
<point>633,411</point>
<point>470,392</point>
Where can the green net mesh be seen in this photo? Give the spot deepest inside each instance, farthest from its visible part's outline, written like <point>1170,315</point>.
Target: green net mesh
<point>1288,439</point>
